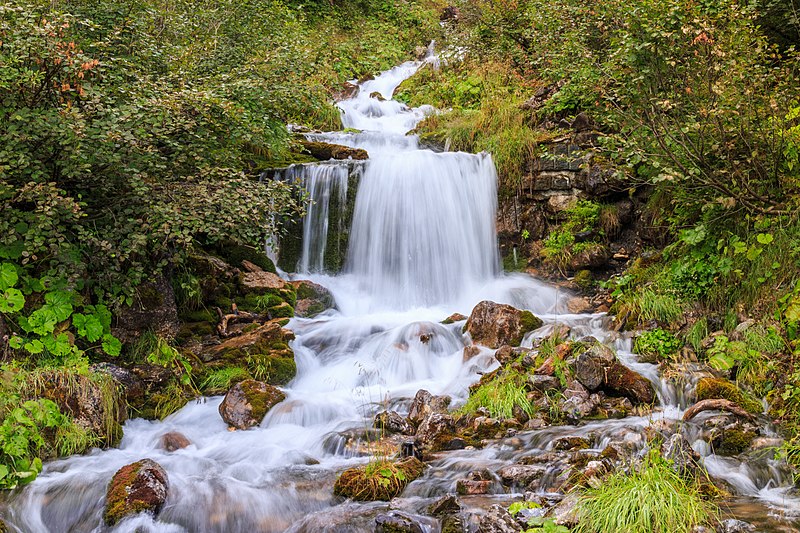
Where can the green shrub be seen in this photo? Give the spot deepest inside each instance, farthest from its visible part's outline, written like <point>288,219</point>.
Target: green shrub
<point>500,396</point>
<point>657,343</point>
<point>652,499</point>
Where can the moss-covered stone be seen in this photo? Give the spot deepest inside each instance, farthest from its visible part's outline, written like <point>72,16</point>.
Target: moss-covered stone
<point>284,310</point>
<point>236,253</point>
<point>199,315</point>
<point>529,322</point>
<point>135,488</point>
<point>711,388</point>
<point>378,480</point>
<point>734,441</point>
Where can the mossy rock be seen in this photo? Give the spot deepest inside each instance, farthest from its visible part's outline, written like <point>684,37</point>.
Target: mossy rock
<point>713,388</point>
<point>378,480</point>
<point>195,329</point>
<point>734,441</point>
<point>247,403</point>
<point>199,315</point>
<point>135,488</point>
<point>528,322</point>
<point>284,310</point>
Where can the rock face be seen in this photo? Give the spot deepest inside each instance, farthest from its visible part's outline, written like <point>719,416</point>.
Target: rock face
<point>312,299</point>
<point>247,402</point>
<point>138,487</point>
<point>325,151</point>
<point>493,325</point>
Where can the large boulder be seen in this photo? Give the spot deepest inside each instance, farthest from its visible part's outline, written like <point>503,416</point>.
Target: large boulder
<point>247,402</point>
<point>390,422</point>
<point>436,431</point>
<point>312,299</point>
<point>135,488</point>
<point>493,325</point>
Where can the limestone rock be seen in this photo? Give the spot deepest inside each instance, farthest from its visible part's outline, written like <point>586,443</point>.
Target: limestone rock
<point>436,430</point>
<point>138,487</point>
<point>493,325</point>
<point>247,402</point>
<point>261,281</point>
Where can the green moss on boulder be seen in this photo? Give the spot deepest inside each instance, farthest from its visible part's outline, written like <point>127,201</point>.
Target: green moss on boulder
<point>378,480</point>
<point>711,388</point>
<point>135,488</point>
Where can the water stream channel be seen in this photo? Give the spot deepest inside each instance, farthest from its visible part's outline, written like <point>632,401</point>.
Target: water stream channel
<point>422,246</point>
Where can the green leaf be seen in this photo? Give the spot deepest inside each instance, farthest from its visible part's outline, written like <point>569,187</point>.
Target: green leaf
<point>722,362</point>
<point>35,346</point>
<point>11,301</point>
<point>111,345</point>
<point>8,276</point>
<point>89,327</point>
<point>765,238</point>
<point>3,471</point>
<point>16,342</point>
<point>753,252</point>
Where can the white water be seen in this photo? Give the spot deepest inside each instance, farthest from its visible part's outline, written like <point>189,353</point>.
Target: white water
<point>422,247</point>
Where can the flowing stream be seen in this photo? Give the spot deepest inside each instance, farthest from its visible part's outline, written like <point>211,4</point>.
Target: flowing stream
<point>422,246</point>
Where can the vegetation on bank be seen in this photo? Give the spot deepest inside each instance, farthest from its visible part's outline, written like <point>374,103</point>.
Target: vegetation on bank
<point>690,105</point>
<point>133,135</point>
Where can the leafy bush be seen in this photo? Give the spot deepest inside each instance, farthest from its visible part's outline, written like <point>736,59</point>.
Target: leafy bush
<point>658,343</point>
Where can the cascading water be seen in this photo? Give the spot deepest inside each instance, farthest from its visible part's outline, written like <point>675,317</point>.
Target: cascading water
<point>422,246</point>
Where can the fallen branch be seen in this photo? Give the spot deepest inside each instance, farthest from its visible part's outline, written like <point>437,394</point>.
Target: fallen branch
<point>716,404</point>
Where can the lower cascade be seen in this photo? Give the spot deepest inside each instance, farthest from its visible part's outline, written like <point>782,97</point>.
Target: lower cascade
<point>422,247</point>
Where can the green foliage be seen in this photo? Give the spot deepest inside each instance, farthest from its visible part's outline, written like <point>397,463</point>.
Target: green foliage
<point>658,343</point>
<point>21,438</point>
<point>652,499</point>
<point>500,396</point>
<point>165,355</point>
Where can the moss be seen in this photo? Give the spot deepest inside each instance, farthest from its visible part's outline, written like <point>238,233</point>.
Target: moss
<point>734,441</point>
<point>284,310</point>
<point>583,279</point>
<point>711,388</point>
<point>527,322</point>
<point>125,495</point>
<point>273,370</point>
<point>378,480</point>
<point>251,327</point>
<point>200,315</point>
<point>195,329</point>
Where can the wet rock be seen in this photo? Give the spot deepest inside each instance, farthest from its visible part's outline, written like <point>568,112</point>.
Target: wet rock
<point>132,386</point>
<point>270,339</point>
<point>425,404</point>
<point>498,520</point>
<point>541,383</point>
<point>505,354</point>
<point>153,309</point>
<point>455,317</point>
<point>247,402</point>
<point>591,257</point>
<point>563,444</point>
<point>471,351</point>
<point>312,299</point>
<point>578,305</point>
<point>577,403</point>
<point>521,475</point>
<point>476,482</point>
<point>391,422</point>
<point>173,441</point>
<point>397,522</point>
<point>346,91</point>
<point>446,505</point>
<point>624,381</point>
<point>135,488</point>
<point>325,151</point>
<point>436,431</point>
<point>360,484</point>
<point>598,368</point>
<point>732,525</point>
<point>493,325</point>
<point>377,95</point>
<point>678,449</point>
